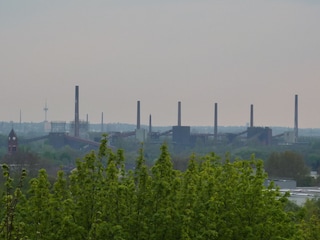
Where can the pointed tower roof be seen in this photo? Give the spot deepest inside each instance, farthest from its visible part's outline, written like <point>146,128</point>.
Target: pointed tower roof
<point>12,142</point>
<point>12,134</point>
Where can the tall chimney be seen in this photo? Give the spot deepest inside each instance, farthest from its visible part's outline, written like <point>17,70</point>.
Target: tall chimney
<point>296,117</point>
<point>215,121</point>
<point>87,123</point>
<point>138,115</point>
<point>179,114</point>
<point>102,125</point>
<point>251,115</point>
<point>76,115</point>
<point>150,124</point>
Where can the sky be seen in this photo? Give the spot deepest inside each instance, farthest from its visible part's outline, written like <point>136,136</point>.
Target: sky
<point>200,52</point>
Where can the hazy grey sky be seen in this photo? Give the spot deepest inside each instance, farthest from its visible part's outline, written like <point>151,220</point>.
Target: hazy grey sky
<point>199,52</point>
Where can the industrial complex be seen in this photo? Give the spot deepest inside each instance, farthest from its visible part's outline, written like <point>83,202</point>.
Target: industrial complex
<point>76,132</point>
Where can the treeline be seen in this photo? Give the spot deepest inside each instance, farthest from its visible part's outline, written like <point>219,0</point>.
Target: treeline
<point>212,199</point>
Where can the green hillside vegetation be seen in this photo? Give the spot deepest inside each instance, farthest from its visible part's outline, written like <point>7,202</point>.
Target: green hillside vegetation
<point>213,198</point>
<point>281,161</point>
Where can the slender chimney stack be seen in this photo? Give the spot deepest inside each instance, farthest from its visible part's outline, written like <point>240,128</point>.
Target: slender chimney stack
<point>296,117</point>
<point>150,124</point>
<point>215,121</point>
<point>179,114</point>
<point>76,116</point>
<point>102,124</point>
<point>251,115</point>
<point>138,115</point>
<point>87,123</point>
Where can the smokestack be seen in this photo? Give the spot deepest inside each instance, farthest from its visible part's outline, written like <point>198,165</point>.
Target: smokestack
<point>76,115</point>
<point>150,124</point>
<point>87,122</point>
<point>179,114</point>
<point>102,125</point>
<point>251,115</point>
<point>215,121</point>
<point>296,117</point>
<point>138,115</point>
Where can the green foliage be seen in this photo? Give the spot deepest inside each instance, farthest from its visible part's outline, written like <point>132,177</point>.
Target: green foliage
<point>314,161</point>
<point>287,164</point>
<point>309,217</point>
<point>212,199</point>
<point>9,201</point>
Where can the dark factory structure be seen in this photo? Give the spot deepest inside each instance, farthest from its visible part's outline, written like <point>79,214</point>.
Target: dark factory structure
<point>140,133</point>
<point>260,135</point>
<point>78,131</point>
<point>180,134</point>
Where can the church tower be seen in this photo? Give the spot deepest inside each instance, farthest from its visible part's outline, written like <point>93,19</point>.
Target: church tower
<point>12,142</point>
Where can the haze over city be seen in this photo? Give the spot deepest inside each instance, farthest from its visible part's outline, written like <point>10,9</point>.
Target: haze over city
<point>235,53</point>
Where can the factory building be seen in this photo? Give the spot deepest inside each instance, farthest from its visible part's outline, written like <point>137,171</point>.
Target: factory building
<point>262,135</point>
<point>180,134</point>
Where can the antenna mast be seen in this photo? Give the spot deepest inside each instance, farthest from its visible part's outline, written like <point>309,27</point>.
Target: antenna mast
<point>45,109</point>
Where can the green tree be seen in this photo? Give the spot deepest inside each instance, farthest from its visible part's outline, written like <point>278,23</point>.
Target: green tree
<point>143,206</point>
<point>10,227</point>
<point>85,184</point>
<point>309,225</point>
<point>191,202</point>
<point>164,195</point>
<point>213,199</point>
<point>286,164</point>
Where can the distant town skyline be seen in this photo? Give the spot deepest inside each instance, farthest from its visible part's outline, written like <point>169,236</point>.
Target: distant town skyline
<point>234,53</point>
